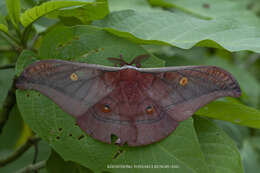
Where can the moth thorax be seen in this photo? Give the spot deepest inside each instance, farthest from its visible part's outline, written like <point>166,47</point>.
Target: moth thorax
<point>129,75</point>
<point>130,91</point>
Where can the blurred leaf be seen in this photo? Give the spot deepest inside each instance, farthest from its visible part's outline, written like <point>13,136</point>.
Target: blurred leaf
<point>139,5</point>
<point>254,6</point>
<point>255,141</point>
<point>3,9</point>
<point>93,45</point>
<point>3,24</point>
<point>25,4</point>
<point>30,15</point>
<point>232,112</point>
<point>44,24</point>
<point>6,80</point>
<point>11,131</point>
<point>56,164</point>
<point>234,131</point>
<point>250,157</point>
<point>184,31</point>
<point>219,150</point>
<point>14,8</point>
<point>27,158</point>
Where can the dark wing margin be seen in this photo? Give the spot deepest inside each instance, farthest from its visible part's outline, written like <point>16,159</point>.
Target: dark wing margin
<point>73,86</point>
<point>183,90</point>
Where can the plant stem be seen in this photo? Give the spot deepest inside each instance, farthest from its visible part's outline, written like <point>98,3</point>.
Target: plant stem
<point>32,167</point>
<point>36,150</point>
<point>11,38</point>
<point>25,35</point>
<point>7,106</point>
<point>22,149</point>
<point>7,66</point>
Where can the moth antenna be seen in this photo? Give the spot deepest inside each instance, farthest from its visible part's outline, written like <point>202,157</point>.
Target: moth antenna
<point>137,60</point>
<point>117,61</point>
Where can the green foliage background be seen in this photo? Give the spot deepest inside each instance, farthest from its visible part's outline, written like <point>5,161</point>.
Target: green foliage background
<point>224,33</point>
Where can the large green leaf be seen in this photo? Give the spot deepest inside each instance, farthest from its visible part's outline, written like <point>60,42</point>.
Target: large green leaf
<point>219,150</point>
<point>84,13</point>
<point>90,44</point>
<point>14,9</point>
<point>185,31</point>
<point>30,15</point>
<point>232,112</point>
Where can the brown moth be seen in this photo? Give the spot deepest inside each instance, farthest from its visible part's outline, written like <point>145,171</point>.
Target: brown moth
<point>138,105</point>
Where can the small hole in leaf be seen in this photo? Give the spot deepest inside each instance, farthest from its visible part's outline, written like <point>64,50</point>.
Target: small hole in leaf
<point>96,50</point>
<point>27,95</point>
<point>70,134</point>
<point>80,137</point>
<point>39,94</point>
<point>206,5</point>
<point>60,45</point>
<point>57,137</point>
<point>60,129</point>
<point>76,124</point>
<point>120,151</point>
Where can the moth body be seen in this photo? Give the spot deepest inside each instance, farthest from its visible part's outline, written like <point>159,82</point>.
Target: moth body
<point>138,105</point>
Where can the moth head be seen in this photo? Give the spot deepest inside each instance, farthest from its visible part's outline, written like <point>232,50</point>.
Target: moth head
<point>121,62</point>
